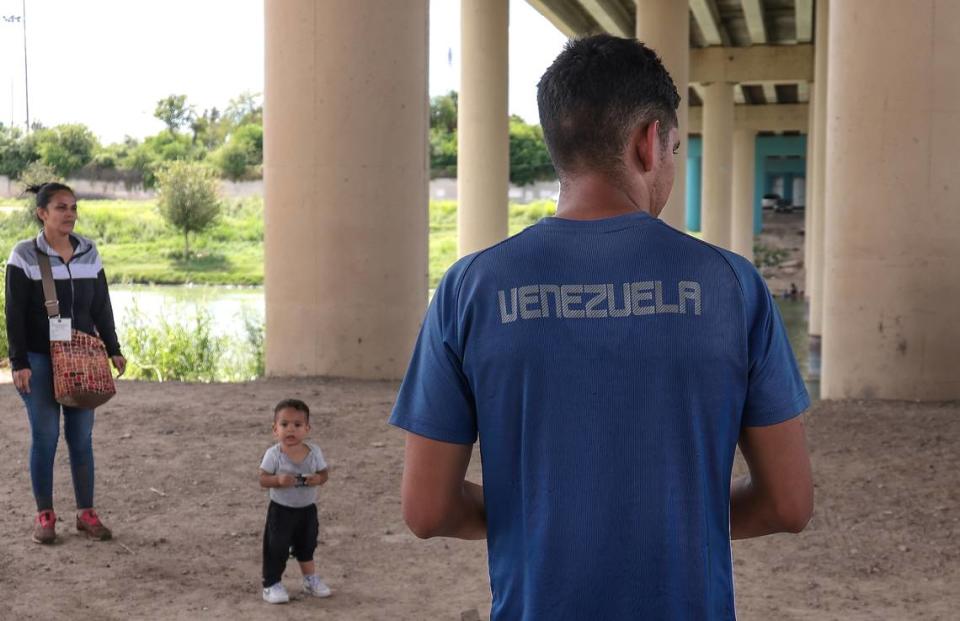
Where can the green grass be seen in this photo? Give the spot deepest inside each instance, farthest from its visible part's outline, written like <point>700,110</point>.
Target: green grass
<point>138,247</point>
<point>443,230</point>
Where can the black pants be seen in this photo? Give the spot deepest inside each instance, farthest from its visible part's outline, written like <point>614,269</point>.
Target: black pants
<point>287,527</point>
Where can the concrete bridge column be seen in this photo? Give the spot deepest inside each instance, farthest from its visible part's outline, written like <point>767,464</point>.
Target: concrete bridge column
<point>717,163</point>
<point>892,283</point>
<point>808,200</point>
<point>664,26</point>
<point>744,164</point>
<point>345,180</point>
<point>694,167</point>
<point>483,152</point>
<point>818,204</point>
<point>788,187</point>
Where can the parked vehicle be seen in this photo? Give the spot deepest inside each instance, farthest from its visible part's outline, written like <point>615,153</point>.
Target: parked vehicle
<point>777,203</point>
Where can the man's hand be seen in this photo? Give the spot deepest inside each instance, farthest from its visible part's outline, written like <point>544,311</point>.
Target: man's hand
<point>21,379</point>
<point>437,501</point>
<point>777,495</point>
<point>286,480</point>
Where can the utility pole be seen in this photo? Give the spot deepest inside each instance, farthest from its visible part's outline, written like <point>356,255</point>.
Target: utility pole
<point>26,85</point>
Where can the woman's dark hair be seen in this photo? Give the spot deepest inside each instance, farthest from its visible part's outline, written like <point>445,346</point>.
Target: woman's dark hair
<point>45,192</point>
<point>292,404</point>
<point>595,93</point>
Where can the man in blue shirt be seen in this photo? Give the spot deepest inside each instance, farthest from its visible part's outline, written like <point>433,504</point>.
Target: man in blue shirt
<point>610,365</point>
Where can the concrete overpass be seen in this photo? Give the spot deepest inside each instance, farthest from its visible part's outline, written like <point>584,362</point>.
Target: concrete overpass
<point>346,96</point>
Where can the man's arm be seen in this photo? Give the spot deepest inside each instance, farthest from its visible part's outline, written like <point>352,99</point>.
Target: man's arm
<point>777,495</point>
<point>437,500</point>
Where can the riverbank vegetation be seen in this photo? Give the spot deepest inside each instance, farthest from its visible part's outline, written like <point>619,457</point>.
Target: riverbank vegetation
<point>138,247</point>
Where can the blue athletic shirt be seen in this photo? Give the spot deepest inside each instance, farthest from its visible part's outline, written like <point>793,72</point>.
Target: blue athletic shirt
<point>608,367</point>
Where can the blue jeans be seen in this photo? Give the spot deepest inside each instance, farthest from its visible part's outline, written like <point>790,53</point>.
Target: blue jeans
<point>44,414</point>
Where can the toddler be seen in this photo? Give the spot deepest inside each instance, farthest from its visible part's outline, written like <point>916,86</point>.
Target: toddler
<point>292,469</point>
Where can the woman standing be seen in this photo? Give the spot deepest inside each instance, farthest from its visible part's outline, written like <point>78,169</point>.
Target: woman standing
<point>82,291</point>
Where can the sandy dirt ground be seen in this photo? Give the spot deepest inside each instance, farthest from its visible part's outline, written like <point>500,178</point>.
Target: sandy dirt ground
<point>176,480</point>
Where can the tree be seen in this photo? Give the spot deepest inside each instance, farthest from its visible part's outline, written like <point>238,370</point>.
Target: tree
<point>66,148</point>
<point>529,158</point>
<point>188,198</point>
<point>443,135</point>
<point>443,112</point>
<point>174,112</point>
<point>17,150</point>
<point>199,125</point>
<point>245,108</point>
<point>443,153</point>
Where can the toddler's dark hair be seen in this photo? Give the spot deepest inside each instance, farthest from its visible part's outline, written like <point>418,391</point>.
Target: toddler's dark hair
<point>293,404</point>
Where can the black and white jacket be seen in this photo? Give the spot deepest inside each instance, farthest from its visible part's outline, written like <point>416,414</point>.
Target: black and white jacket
<point>81,290</point>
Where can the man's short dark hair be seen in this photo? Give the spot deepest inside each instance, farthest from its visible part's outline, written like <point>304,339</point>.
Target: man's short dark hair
<point>291,404</point>
<point>598,90</point>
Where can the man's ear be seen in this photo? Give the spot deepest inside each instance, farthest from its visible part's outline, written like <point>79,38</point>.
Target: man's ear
<point>645,144</point>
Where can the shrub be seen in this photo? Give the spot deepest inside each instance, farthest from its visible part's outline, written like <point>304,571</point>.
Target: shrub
<point>184,348</point>
<point>39,172</point>
<point>254,329</point>
<point>167,350</point>
<point>231,160</point>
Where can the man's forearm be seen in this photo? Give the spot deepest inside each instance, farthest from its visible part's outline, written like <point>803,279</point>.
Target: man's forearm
<point>751,515</point>
<point>468,520</point>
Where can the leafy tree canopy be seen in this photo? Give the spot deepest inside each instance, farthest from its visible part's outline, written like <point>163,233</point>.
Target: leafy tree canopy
<point>188,197</point>
<point>66,148</point>
<point>174,112</point>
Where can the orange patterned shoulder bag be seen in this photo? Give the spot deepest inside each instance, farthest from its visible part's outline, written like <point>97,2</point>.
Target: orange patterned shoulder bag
<point>81,369</point>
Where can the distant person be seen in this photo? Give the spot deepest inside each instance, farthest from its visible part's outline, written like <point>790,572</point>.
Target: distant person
<point>81,288</point>
<point>292,469</point>
<point>610,365</point>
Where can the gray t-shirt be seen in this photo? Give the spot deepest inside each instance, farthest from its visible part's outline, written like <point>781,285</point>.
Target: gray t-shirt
<point>276,461</point>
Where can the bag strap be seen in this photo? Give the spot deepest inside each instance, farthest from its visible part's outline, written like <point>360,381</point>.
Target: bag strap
<point>51,302</point>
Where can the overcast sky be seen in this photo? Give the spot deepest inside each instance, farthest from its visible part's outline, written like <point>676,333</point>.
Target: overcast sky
<point>105,63</point>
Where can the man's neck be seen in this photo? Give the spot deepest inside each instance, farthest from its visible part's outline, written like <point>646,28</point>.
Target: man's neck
<point>593,196</point>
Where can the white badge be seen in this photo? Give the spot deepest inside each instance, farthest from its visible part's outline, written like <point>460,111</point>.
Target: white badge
<point>60,329</point>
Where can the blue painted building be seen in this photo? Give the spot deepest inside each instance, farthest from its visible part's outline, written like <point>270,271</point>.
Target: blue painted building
<point>778,158</point>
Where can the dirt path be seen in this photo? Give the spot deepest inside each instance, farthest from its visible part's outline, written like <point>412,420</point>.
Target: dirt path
<point>176,481</point>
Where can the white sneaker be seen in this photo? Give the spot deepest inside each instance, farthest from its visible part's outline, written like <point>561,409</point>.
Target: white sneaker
<point>276,594</point>
<point>313,585</point>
